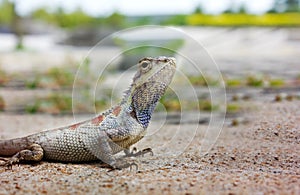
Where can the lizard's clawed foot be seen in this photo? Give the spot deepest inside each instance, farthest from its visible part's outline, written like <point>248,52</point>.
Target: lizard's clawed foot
<point>122,165</point>
<point>33,153</point>
<point>135,152</point>
<point>9,162</point>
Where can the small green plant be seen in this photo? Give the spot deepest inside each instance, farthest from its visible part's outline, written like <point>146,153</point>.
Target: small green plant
<point>61,77</point>
<point>170,101</point>
<point>201,80</point>
<point>32,108</point>
<point>101,105</point>
<point>254,81</point>
<point>233,108</point>
<point>197,80</point>
<point>206,105</point>
<point>172,105</point>
<point>20,46</point>
<point>62,102</point>
<point>277,82</point>
<point>233,83</point>
<point>53,104</point>
<point>33,84</point>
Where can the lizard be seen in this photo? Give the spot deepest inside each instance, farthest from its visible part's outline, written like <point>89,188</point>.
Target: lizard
<point>105,134</point>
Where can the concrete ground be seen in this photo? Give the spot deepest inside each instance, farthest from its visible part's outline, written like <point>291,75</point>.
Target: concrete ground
<point>261,157</point>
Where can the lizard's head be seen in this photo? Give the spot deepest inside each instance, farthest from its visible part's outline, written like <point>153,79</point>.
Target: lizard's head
<point>149,83</point>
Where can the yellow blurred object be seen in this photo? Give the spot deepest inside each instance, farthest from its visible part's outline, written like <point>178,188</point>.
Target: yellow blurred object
<point>270,19</point>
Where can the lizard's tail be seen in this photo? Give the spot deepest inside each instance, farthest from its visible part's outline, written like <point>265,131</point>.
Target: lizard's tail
<point>11,147</point>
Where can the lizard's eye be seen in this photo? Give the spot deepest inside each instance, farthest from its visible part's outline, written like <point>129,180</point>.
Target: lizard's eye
<point>145,66</point>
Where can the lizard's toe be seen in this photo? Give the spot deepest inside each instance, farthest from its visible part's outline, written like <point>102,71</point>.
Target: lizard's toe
<point>3,161</point>
<point>136,153</point>
<point>147,150</point>
<point>133,165</point>
<point>122,165</point>
<point>10,162</point>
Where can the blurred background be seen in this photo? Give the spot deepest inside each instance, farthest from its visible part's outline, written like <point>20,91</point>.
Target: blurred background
<point>255,43</point>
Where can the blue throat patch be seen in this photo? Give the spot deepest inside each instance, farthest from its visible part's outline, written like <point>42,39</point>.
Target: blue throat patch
<point>144,101</point>
<point>144,116</point>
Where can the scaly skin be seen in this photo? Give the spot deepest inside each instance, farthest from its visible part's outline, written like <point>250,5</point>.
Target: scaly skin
<point>106,134</point>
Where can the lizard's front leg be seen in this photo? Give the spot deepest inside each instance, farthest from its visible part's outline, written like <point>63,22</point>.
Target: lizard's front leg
<point>102,146</point>
<point>34,153</point>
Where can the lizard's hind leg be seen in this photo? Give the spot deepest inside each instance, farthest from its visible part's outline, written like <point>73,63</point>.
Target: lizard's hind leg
<point>34,153</point>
